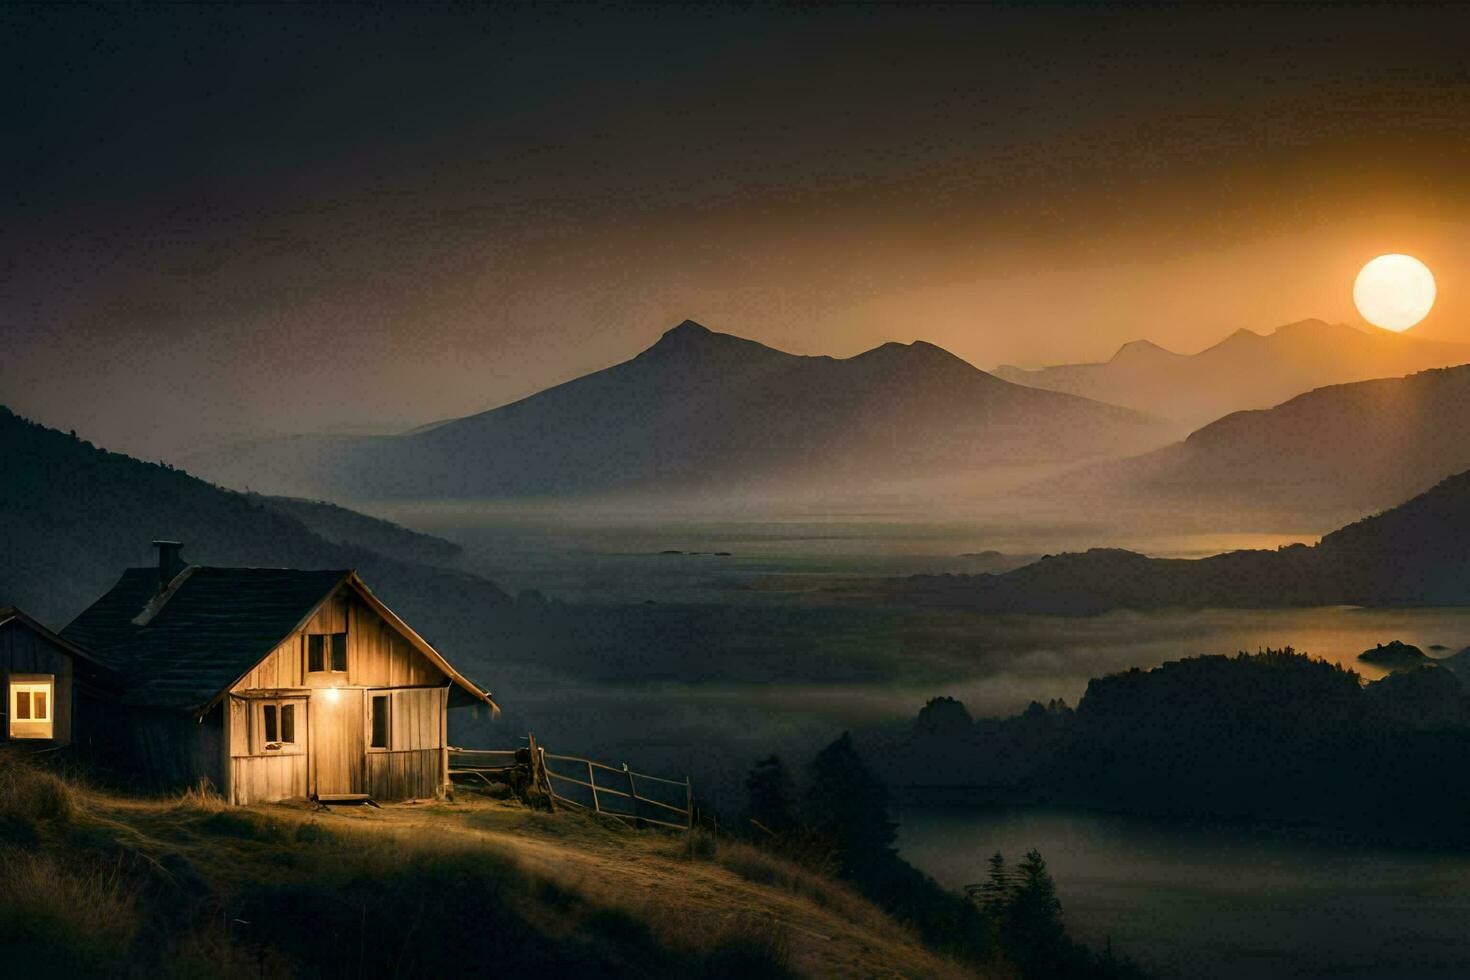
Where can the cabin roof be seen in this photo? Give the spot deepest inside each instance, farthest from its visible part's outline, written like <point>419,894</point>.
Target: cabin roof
<point>12,613</point>
<point>184,647</point>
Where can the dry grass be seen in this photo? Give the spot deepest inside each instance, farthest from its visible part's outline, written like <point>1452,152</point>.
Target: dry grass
<point>193,887</point>
<point>65,922</point>
<point>32,800</point>
<point>203,797</point>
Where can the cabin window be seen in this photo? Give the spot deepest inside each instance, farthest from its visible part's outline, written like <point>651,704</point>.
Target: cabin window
<point>382,706</point>
<point>277,725</point>
<point>31,701</point>
<point>326,652</point>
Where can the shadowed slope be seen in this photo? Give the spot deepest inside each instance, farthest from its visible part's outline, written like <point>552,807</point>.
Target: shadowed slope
<point>76,516</point>
<point>1352,447</point>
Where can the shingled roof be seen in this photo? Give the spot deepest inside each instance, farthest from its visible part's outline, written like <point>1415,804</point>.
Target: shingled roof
<point>184,647</point>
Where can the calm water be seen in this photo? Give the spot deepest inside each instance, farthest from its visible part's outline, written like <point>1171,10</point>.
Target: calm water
<point>1189,901</point>
<point>606,554</point>
<point>1195,901</point>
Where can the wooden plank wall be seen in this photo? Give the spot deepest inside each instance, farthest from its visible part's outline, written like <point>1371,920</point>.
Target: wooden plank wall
<point>174,751</point>
<point>415,719</point>
<point>24,651</point>
<point>266,778</point>
<point>412,775</point>
<point>377,656</point>
<point>412,766</point>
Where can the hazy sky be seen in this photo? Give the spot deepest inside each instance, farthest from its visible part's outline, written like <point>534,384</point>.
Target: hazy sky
<point>267,219</point>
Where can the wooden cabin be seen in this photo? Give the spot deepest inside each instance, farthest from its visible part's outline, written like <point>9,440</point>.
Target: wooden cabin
<point>274,683</point>
<point>45,678</point>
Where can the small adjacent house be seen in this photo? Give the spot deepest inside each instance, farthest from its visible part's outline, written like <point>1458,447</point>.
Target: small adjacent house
<point>44,678</point>
<point>273,683</point>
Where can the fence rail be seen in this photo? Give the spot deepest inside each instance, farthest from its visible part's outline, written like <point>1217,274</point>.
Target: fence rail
<point>625,803</point>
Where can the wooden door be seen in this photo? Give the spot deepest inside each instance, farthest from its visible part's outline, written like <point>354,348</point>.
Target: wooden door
<point>337,745</point>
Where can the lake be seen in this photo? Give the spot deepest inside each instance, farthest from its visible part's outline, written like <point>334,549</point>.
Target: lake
<point>1198,901</point>
<point>605,553</point>
<point>764,663</point>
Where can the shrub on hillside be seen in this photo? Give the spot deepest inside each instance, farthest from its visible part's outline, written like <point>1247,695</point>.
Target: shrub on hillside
<point>31,799</point>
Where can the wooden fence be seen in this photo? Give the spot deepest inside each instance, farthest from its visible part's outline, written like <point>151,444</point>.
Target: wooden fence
<point>574,782</point>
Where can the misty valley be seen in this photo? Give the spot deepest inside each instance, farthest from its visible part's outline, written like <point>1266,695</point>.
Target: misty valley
<point>1073,665</point>
<point>958,491</point>
<point>735,637</point>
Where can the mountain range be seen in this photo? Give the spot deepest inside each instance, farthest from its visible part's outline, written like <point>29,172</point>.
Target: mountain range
<point>701,410</point>
<point>1415,554</point>
<point>1246,370</point>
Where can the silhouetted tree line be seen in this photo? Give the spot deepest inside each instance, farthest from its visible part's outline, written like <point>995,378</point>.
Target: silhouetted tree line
<point>839,824</point>
<point>1275,735</point>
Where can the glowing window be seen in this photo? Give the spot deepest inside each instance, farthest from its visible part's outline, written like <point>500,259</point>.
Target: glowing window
<point>31,701</point>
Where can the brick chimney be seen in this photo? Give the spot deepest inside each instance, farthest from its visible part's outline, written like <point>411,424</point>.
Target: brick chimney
<point>170,563</point>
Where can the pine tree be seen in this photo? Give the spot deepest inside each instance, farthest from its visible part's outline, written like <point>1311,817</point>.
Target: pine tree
<point>1034,933</point>
<point>848,806</point>
<point>994,897</point>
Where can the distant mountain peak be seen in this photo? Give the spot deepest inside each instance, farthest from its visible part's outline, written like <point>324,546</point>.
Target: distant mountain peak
<point>1242,334</point>
<point>1141,348</point>
<point>689,328</point>
<point>693,346</point>
<point>692,336</point>
<point>1310,323</point>
<point>917,356</point>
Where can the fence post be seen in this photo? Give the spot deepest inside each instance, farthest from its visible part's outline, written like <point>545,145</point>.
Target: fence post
<point>689,802</point>
<point>632,792</point>
<point>538,770</point>
<point>592,781</point>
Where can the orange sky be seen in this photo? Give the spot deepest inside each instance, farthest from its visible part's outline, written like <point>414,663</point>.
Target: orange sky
<point>240,222</point>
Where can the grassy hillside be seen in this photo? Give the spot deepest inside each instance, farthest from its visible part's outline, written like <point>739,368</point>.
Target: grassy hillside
<point>95,884</point>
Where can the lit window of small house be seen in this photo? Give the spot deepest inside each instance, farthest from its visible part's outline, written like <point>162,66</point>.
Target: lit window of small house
<point>381,709</point>
<point>277,726</point>
<point>326,652</point>
<point>32,705</point>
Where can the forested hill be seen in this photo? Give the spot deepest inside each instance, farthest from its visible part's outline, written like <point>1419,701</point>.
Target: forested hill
<point>1416,554</point>
<point>73,516</point>
<point>345,526</point>
<point>1275,735</point>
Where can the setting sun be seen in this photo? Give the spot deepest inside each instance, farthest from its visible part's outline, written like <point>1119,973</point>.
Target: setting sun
<point>1394,291</point>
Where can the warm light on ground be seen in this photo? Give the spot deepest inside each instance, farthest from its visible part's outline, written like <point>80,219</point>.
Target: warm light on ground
<point>1394,291</point>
